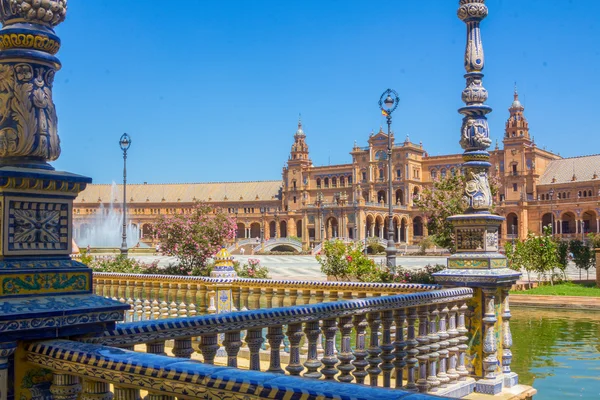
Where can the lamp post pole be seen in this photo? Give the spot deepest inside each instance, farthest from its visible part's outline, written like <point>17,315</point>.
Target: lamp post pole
<point>263,210</point>
<point>387,103</point>
<point>124,143</point>
<point>237,228</point>
<point>551,193</point>
<point>355,220</point>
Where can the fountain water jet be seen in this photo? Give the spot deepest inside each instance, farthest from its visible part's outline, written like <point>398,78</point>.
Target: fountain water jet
<point>106,228</point>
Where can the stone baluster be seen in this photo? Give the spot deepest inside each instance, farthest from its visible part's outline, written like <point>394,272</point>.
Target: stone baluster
<point>280,296</point>
<point>411,350</point>
<point>319,296</point>
<point>423,356</point>
<point>334,295</point>
<point>399,346</point>
<point>295,335</point>
<point>293,297</point>
<point>173,292</point>
<point>232,343</point>
<point>329,360</point>
<point>173,311</point>
<point>269,297</point>
<point>306,294</point>
<point>490,359</point>
<point>122,289</point>
<point>444,344</point>
<point>212,305</point>
<point>138,309</point>
<point>111,288</point>
<point>461,368</point>
<point>256,294</point>
<point>345,355</point>
<point>193,299</point>
<point>183,348</point>
<point>65,387</point>
<point>158,396</point>
<point>129,313</point>
<point>254,340</point>
<point>95,390</point>
<point>123,393</point>
<point>312,363</point>
<point>452,344</point>
<point>209,345</point>
<point>387,318</point>
<point>510,378</point>
<point>360,352</point>
<point>434,346</point>
<point>202,304</point>
<point>155,291</point>
<point>157,347</point>
<point>155,310</point>
<point>275,337</point>
<point>235,294</point>
<point>245,296</point>
<point>147,310</point>
<point>164,292</point>
<point>347,296</point>
<point>99,286</point>
<point>138,289</point>
<point>374,320</point>
<point>182,307</point>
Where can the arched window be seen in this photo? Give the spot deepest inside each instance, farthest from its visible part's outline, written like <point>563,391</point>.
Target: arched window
<point>318,183</point>
<point>349,180</point>
<point>381,174</point>
<point>334,182</point>
<point>342,181</point>
<point>453,171</point>
<point>326,182</point>
<point>443,173</point>
<point>434,174</point>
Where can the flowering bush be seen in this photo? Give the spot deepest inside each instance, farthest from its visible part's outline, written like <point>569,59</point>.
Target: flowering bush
<point>251,270</point>
<point>346,262</point>
<point>194,237</point>
<point>123,264</point>
<point>402,275</point>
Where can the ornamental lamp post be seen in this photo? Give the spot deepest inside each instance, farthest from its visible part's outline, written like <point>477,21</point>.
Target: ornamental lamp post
<point>388,102</point>
<point>263,211</point>
<point>124,143</point>
<point>237,228</point>
<point>355,220</point>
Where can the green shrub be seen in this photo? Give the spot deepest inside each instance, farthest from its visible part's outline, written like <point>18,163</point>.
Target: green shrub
<point>252,269</point>
<point>346,262</point>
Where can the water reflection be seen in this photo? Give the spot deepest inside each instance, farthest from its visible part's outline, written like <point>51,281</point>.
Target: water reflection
<point>557,352</point>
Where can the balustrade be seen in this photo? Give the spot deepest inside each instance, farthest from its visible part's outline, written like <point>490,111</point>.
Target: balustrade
<point>417,363</point>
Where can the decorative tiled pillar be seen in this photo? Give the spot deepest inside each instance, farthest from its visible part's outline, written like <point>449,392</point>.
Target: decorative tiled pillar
<point>36,201</point>
<point>6,352</point>
<point>477,263</point>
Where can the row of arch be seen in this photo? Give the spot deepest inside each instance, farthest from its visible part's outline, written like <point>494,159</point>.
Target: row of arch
<point>398,197</point>
<point>343,181</point>
<point>567,195</point>
<point>253,230</point>
<point>567,222</point>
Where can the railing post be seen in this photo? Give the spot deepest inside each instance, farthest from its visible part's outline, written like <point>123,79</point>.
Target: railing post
<point>387,318</point>
<point>360,352</point>
<point>329,360</point>
<point>254,340</point>
<point>423,356</point>
<point>434,346</point>
<point>452,344</point>
<point>183,348</point>
<point>95,390</point>
<point>345,355</point>
<point>293,297</point>
<point>312,363</point>
<point>295,335</point>
<point>157,347</point>
<point>510,378</point>
<point>399,346</point>
<point>123,393</point>
<point>275,337</point>
<point>245,296</point>
<point>208,347</point>
<point>232,343</point>
<point>65,387</point>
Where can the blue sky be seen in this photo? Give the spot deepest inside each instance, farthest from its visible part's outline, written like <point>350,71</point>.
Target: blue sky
<point>211,90</point>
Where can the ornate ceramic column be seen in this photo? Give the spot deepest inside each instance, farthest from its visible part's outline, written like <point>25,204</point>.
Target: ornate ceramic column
<point>477,263</point>
<point>36,271</point>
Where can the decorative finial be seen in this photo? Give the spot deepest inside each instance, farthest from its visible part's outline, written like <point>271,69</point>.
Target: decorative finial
<point>299,121</point>
<point>496,145</point>
<point>516,94</point>
<point>407,139</point>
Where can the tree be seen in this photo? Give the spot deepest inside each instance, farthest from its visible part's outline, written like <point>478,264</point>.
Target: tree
<point>562,248</point>
<point>438,202</point>
<point>544,253</point>
<point>442,200</point>
<point>583,256</point>
<point>195,236</point>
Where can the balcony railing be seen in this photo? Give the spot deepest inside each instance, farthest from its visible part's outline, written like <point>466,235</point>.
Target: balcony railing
<point>414,341</point>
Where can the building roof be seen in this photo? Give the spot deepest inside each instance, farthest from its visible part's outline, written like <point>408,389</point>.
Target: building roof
<point>184,192</point>
<point>562,171</point>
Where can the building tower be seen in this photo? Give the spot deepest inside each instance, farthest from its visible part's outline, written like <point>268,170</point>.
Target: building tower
<point>517,127</point>
<point>299,152</point>
<point>295,174</point>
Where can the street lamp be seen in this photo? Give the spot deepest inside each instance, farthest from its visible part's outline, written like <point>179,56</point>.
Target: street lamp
<point>387,103</point>
<point>551,193</point>
<point>124,143</point>
<point>355,220</point>
<point>513,234</point>
<point>237,227</point>
<point>263,211</point>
